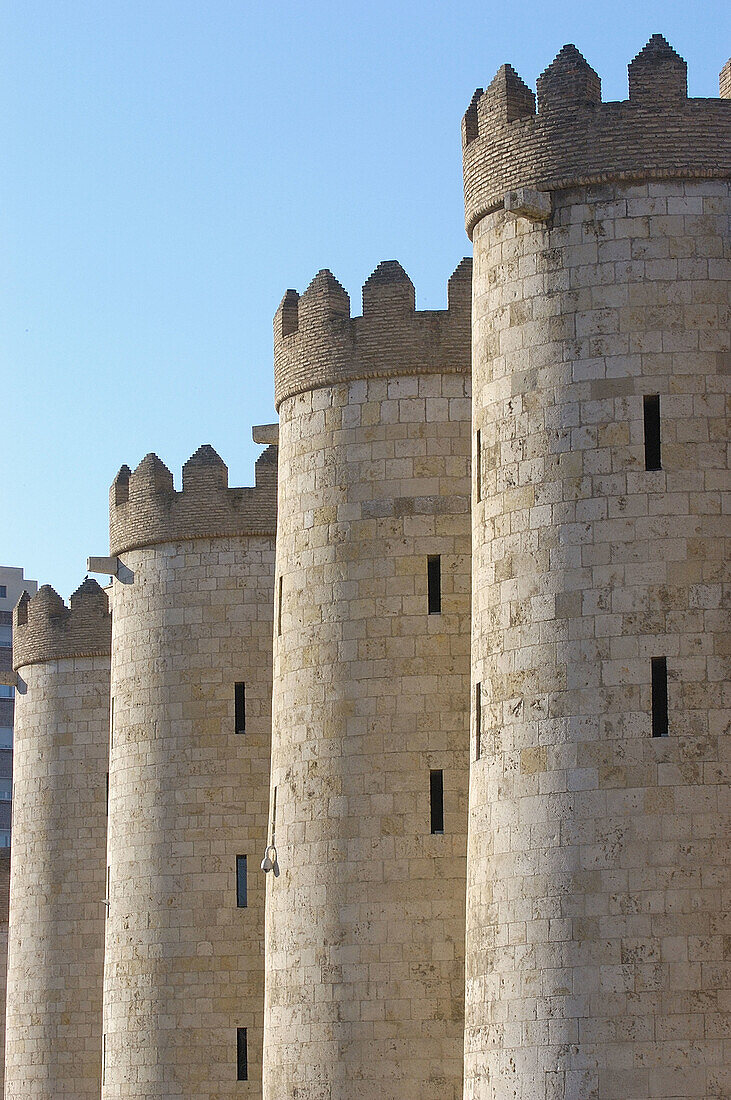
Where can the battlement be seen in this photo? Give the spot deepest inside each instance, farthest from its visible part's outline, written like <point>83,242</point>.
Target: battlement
<point>145,509</point>
<point>573,138</point>
<point>317,343</point>
<point>44,629</point>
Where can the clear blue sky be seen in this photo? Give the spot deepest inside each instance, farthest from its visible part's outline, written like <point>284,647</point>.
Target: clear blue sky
<point>170,167</point>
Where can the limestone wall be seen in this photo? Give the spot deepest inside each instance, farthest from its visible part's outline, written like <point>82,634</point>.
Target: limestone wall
<point>56,941</point>
<point>4,900</point>
<point>365,923</point>
<point>657,133</point>
<point>45,629</point>
<point>595,878</point>
<point>317,343</point>
<point>145,509</point>
<point>184,964</point>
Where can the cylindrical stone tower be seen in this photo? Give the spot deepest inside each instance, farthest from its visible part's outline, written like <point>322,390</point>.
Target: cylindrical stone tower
<point>53,1036</point>
<point>4,906</point>
<point>600,376</point>
<point>365,922</point>
<point>189,780</point>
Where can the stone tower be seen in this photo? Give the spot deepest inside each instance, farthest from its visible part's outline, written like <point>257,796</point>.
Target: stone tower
<point>53,1040</point>
<point>4,905</point>
<point>600,377</point>
<point>365,922</point>
<point>189,779</point>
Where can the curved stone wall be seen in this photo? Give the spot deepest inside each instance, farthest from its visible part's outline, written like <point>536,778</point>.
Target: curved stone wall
<point>317,343</point>
<point>595,862</point>
<point>574,138</point>
<point>46,630</point>
<point>4,901</point>
<point>187,795</point>
<point>145,510</point>
<point>365,923</point>
<point>53,1038</point>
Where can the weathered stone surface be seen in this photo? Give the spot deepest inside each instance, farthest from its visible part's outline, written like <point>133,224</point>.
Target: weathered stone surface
<point>145,510</point>
<point>365,923</point>
<point>44,629</point>
<point>316,343</point>
<point>525,203</point>
<point>187,795</point>
<point>595,853</point>
<point>53,1038</point>
<point>576,139</point>
<point>724,81</point>
<point>4,901</point>
<point>596,869</point>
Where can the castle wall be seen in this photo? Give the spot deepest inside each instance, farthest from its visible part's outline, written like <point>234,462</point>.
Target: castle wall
<point>188,794</point>
<point>4,903</point>
<point>575,138</point>
<point>595,859</point>
<point>56,934</point>
<point>365,923</point>
<point>592,847</point>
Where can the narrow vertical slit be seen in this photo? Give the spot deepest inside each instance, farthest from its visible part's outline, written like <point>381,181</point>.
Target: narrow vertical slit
<point>478,465</point>
<point>434,583</point>
<point>478,721</point>
<point>241,883</point>
<point>651,408</point>
<point>279,609</point>
<point>240,708</point>
<point>659,697</point>
<point>242,1055</point>
<point>436,791</point>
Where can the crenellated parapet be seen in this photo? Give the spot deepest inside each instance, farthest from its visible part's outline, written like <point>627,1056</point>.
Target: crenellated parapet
<point>574,138</point>
<point>317,343</point>
<point>45,629</point>
<point>145,509</point>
